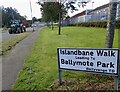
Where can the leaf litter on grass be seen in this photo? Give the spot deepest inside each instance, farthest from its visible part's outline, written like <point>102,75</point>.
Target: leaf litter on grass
<point>84,84</point>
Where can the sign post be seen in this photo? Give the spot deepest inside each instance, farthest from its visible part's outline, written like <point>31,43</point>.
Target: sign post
<point>116,83</point>
<point>98,61</point>
<point>59,70</point>
<point>60,76</point>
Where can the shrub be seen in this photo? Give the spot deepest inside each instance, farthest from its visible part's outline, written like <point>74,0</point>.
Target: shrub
<point>102,24</point>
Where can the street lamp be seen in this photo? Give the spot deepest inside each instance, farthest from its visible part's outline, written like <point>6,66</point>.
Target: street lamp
<point>92,4</point>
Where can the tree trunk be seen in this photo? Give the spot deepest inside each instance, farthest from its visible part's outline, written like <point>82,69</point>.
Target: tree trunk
<point>59,30</point>
<point>52,25</point>
<point>111,24</point>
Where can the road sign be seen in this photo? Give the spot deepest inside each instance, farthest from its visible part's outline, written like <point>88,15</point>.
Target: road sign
<point>103,61</point>
<point>100,61</point>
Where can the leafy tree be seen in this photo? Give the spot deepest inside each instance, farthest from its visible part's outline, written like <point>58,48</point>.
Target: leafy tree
<point>9,14</point>
<point>60,10</point>
<point>72,5</point>
<point>34,19</point>
<point>50,11</point>
<point>40,19</point>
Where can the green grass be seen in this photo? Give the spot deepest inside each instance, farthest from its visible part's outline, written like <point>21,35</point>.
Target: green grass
<point>4,29</point>
<point>40,69</point>
<point>10,43</point>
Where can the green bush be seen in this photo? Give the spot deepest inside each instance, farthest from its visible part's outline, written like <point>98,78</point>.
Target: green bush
<point>101,24</point>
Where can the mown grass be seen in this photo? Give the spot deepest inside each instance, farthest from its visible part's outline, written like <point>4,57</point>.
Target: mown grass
<point>11,42</point>
<point>40,70</point>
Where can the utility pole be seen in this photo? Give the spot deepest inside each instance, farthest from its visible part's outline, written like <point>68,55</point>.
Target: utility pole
<point>111,23</point>
<point>1,19</point>
<point>111,30</point>
<point>31,15</point>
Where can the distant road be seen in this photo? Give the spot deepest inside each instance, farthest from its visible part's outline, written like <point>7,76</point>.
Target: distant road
<point>5,34</point>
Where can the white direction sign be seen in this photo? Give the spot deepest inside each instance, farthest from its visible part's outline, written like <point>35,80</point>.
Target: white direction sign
<point>103,61</point>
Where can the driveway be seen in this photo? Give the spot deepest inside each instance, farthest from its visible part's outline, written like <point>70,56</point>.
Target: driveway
<point>13,61</point>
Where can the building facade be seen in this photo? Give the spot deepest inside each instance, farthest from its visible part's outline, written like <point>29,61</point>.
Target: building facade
<point>100,13</point>
<point>97,14</point>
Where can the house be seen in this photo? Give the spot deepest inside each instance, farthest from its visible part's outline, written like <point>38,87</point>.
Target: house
<point>97,14</point>
<point>100,13</point>
<point>118,11</point>
<point>81,17</point>
<point>65,22</point>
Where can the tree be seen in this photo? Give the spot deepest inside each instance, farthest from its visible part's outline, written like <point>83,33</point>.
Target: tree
<point>40,19</point>
<point>70,4</point>
<point>34,19</point>
<point>50,11</point>
<point>111,24</point>
<point>9,14</point>
<point>60,10</point>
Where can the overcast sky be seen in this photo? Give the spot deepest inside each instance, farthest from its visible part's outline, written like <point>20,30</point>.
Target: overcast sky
<point>23,6</point>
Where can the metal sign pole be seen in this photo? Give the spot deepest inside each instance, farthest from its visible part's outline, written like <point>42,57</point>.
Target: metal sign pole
<point>59,70</point>
<point>116,78</point>
<point>60,76</point>
<point>116,83</point>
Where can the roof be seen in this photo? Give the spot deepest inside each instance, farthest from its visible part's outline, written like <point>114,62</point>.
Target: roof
<point>88,11</point>
<point>101,7</point>
<point>80,14</point>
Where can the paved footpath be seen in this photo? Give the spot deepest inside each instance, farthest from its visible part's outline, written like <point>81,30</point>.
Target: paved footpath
<point>13,61</point>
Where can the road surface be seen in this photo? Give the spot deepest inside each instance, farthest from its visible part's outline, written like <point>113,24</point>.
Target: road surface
<point>5,34</point>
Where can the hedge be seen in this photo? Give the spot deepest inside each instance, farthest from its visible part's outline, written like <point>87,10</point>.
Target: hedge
<point>102,24</point>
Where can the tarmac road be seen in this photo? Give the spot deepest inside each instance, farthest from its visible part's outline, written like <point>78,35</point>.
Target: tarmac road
<point>6,35</point>
<point>13,61</point>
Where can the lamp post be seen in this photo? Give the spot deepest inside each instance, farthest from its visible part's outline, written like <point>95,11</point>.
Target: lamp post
<point>92,4</point>
<point>92,11</point>
<point>31,15</point>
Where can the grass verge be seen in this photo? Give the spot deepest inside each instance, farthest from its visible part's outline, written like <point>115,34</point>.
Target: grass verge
<point>40,70</point>
<point>10,43</point>
<point>4,29</point>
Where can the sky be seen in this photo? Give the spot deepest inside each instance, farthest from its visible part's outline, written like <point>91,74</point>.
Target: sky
<point>23,7</point>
